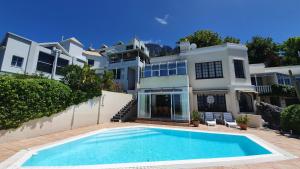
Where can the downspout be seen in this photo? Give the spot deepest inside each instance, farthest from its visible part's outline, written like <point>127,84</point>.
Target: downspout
<point>99,108</point>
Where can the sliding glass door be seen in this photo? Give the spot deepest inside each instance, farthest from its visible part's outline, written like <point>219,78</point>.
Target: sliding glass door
<point>168,105</point>
<point>144,106</point>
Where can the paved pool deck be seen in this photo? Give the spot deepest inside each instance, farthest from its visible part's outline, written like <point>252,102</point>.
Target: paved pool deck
<point>291,145</point>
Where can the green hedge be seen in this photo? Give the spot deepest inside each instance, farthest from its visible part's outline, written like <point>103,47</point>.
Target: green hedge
<point>24,99</point>
<point>290,119</point>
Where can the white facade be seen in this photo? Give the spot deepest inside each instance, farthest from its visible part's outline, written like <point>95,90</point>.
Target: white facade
<point>126,61</point>
<point>24,56</point>
<point>210,77</point>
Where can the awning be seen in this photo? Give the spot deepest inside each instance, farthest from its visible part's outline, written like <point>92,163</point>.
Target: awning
<point>247,91</point>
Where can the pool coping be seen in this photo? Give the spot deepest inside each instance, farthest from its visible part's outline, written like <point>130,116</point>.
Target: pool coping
<point>278,154</point>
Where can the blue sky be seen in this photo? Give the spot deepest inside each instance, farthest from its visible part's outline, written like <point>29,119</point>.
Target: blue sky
<point>165,21</point>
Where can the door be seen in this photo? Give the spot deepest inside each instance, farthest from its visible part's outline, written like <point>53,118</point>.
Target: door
<point>161,106</point>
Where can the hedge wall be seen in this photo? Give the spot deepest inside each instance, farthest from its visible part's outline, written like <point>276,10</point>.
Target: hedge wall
<point>22,100</point>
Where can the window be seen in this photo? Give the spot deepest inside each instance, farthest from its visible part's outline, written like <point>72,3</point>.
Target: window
<point>239,68</point>
<point>61,63</point>
<point>147,71</point>
<point>117,73</point>
<point>45,62</point>
<point>164,70</point>
<point>181,68</point>
<point>17,61</point>
<point>155,70</point>
<point>129,47</point>
<point>209,70</point>
<point>212,103</point>
<point>91,62</point>
<point>172,68</point>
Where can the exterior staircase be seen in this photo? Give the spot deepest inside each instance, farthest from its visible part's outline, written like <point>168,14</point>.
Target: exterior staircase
<point>127,113</point>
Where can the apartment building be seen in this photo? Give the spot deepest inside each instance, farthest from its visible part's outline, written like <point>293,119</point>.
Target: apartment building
<point>126,61</point>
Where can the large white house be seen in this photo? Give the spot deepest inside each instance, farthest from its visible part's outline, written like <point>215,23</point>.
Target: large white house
<point>210,79</point>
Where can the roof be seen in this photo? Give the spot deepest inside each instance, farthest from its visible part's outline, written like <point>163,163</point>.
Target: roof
<point>260,69</point>
<point>91,53</point>
<point>3,42</point>
<point>47,44</point>
<point>73,39</point>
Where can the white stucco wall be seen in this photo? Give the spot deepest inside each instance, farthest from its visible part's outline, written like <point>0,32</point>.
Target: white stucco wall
<point>84,114</point>
<point>18,48</point>
<point>164,82</point>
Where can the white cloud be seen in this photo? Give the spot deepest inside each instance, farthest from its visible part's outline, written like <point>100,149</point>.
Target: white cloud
<point>163,20</point>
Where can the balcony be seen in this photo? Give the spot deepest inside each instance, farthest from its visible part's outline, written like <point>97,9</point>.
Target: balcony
<point>264,89</point>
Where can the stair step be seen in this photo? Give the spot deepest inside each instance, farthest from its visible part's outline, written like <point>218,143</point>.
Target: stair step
<point>123,111</point>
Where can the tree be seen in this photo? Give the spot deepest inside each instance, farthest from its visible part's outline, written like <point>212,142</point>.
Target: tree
<point>263,50</point>
<point>231,39</point>
<point>204,38</point>
<point>291,49</point>
<point>107,80</point>
<point>83,81</point>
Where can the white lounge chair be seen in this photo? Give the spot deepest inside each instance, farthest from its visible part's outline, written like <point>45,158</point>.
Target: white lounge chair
<point>228,120</point>
<point>209,119</point>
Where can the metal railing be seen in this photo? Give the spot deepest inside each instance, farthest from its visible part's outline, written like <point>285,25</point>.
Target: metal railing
<point>263,89</point>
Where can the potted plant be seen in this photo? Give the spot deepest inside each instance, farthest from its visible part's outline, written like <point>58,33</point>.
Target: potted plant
<point>242,121</point>
<point>195,119</point>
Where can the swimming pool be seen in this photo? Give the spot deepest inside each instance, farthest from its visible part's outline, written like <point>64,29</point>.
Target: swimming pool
<point>146,146</point>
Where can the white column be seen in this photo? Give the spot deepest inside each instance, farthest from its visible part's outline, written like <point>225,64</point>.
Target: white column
<point>57,53</point>
<point>255,80</point>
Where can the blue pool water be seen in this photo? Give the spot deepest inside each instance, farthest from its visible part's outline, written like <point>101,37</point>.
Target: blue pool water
<point>144,145</point>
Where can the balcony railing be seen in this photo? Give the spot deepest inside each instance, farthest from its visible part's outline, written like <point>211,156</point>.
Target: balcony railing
<point>263,89</point>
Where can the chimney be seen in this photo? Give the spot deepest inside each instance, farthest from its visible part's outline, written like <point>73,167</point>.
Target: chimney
<point>184,46</point>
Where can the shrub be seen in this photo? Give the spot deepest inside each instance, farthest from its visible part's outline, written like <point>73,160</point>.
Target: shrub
<point>243,119</point>
<point>195,116</point>
<point>290,118</point>
<point>84,82</point>
<point>25,99</point>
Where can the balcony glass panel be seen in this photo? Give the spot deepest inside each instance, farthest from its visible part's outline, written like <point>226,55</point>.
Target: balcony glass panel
<point>165,69</point>
<point>147,74</point>
<point>172,65</point>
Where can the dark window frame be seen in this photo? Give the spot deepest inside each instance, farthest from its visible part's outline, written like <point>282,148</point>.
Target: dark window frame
<point>218,106</point>
<point>17,61</point>
<point>209,70</point>
<point>91,62</point>
<point>61,63</point>
<point>239,69</point>
<point>117,74</point>
<point>45,62</point>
